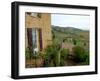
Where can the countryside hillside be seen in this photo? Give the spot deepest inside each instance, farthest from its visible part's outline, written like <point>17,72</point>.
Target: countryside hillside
<point>81,37</point>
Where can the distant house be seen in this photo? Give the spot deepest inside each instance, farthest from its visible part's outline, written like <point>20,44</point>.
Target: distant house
<point>37,30</point>
<point>68,44</point>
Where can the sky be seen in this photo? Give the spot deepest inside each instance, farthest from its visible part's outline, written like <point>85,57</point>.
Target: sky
<point>77,21</point>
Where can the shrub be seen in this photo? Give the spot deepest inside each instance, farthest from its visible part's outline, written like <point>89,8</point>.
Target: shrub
<point>28,54</point>
<point>63,56</point>
<point>53,35</point>
<point>87,59</point>
<point>74,41</point>
<point>55,56</point>
<point>51,56</point>
<point>80,54</point>
<point>64,53</point>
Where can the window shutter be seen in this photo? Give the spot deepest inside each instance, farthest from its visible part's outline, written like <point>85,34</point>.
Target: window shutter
<point>29,13</point>
<point>40,39</point>
<point>29,36</point>
<point>39,15</point>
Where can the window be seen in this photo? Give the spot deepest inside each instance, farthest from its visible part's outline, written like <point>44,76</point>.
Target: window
<point>28,13</point>
<point>34,38</point>
<point>34,14</point>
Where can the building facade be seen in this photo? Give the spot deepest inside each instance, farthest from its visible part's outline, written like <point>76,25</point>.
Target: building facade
<point>37,30</point>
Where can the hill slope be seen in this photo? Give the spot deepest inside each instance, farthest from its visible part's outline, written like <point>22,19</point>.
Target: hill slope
<point>80,36</point>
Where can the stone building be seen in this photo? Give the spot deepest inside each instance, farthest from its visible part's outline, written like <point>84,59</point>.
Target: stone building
<point>37,30</point>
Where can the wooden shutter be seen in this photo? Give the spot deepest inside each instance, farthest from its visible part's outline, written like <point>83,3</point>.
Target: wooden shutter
<point>39,15</point>
<point>29,13</point>
<point>40,39</point>
<point>29,36</point>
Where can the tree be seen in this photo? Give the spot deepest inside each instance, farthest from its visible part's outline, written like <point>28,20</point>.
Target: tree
<point>74,41</point>
<point>53,34</point>
<point>50,56</point>
<point>63,56</point>
<point>80,54</point>
<point>55,56</point>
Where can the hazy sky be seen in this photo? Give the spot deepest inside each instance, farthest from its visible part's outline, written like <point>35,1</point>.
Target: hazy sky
<point>78,21</point>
